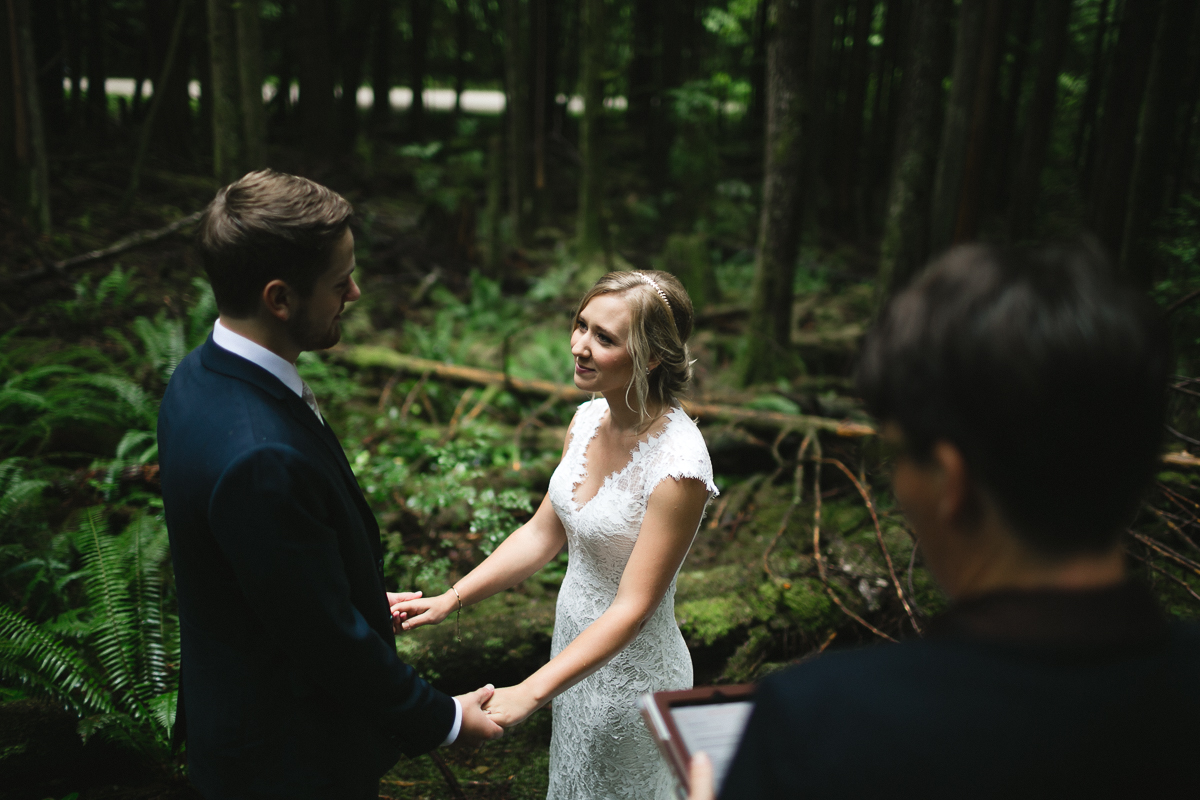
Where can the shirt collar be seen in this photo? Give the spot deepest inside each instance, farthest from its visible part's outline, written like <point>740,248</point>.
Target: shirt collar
<point>255,353</point>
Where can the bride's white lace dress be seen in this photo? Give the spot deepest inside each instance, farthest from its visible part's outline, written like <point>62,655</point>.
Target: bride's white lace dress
<point>599,747</point>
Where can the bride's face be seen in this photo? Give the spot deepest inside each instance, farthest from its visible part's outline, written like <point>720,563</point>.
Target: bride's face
<point>600,345</point>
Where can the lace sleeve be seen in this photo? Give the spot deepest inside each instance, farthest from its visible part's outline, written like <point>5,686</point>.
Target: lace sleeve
<point>683,455</point>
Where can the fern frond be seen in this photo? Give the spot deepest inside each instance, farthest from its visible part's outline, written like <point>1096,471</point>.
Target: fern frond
<point>34,656</point>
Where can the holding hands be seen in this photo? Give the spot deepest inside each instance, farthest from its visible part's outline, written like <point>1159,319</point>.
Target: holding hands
<point>412,610</point>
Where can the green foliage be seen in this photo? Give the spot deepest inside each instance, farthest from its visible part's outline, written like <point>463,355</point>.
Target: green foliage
<point>113,662</point>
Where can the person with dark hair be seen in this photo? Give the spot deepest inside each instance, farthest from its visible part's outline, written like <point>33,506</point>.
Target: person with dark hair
<point>1023,392</point>
<point>290,687</point>
<point>626,499</point>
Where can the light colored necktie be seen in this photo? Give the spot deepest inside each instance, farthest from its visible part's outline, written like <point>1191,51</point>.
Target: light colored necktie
<point>310,398</point>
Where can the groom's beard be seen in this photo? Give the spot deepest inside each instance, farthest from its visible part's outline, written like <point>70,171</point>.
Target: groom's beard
<point>313,334</point>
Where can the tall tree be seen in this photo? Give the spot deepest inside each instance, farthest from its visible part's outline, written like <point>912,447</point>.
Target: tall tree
<point>420,15</point>
<point>905,244</point>
<point>382,33</point>
<point>642,66</point>
<point>847,198</point>
<point>1004,140</point>
<point>356,26</point>
<point>250,75</point>
<point>817,110</point>
<point>1035,142</point>
<point>48,53</point>
<point>768,336</point>
<point>23,161</point>
<point>1117,133</point>
<point>886,99</point>
<point>1085,132</point>
<point>956,130</point>
<point>1158,136</point>
<point>97,67</point>
<point>970,200</point>
<point>462,44</point>
<point>229,155</point>
<point>592,37</point>
<point>172,129</point>
<point>316,79</point>
<point>516,113</point>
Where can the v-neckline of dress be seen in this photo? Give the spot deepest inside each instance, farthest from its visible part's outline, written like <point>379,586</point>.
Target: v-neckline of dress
<point>635,455</point>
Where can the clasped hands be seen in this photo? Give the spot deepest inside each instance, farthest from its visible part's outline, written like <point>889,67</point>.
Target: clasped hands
<point>496,708</point>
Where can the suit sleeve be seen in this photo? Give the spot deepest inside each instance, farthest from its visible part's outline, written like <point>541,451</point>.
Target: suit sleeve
<point>758,767</point>
<point>267,513</point>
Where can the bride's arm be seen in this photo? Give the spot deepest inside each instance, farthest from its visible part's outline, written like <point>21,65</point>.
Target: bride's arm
<point>525,551</point>
<point>672,517</point>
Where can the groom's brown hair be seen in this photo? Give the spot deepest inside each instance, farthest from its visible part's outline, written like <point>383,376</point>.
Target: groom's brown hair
<point>266,226</point>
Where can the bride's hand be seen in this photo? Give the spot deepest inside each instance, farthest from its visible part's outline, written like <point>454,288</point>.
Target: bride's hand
<point>413,610</point>
<point>510,705</point>
<point>393,601</point>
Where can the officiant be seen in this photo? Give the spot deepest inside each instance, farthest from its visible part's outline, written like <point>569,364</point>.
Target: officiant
<point>1022,392</point>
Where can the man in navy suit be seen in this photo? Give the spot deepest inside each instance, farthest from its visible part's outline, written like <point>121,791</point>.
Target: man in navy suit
<point>291,686</point>
<point>1023,393</point>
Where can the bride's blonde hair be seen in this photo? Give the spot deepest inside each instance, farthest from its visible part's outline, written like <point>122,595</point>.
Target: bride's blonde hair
<point>659,326</point>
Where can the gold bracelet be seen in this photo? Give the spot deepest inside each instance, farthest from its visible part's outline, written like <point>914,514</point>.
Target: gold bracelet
<point>457,614</point>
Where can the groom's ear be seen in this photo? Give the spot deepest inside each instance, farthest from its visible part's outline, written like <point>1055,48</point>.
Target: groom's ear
<point>280,300</point>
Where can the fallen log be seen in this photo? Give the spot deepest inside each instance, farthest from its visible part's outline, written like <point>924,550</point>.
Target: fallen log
<point>374,356</point>
<point>138,239</point>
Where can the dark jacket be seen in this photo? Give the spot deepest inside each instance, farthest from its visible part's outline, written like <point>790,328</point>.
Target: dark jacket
<point>291,685</point>
<point>1041,694</point>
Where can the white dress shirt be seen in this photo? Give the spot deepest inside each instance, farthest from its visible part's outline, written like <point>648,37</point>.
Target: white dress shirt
<point>287,373</point>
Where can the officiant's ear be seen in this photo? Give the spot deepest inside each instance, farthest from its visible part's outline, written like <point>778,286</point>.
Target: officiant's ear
<point>280,300</point>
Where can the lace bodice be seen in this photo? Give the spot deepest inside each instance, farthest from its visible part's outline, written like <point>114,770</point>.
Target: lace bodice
<point>599,746</point>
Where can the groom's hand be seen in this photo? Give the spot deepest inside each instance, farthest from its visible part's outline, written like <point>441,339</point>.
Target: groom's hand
<point>476,727</point>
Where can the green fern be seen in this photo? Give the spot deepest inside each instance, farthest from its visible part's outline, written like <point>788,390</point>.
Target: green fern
<point>113,664</point>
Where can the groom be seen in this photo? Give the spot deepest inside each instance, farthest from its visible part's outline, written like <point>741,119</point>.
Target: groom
<point>291,687</point>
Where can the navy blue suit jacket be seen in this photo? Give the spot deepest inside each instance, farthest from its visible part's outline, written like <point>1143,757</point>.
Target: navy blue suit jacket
<point>1013,695</point>
<point>291,683</point>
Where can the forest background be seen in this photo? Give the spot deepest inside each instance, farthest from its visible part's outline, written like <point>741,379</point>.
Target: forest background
<point>792,161</point>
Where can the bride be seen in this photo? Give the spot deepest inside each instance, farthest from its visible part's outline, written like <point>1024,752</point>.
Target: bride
<point>627,499</point>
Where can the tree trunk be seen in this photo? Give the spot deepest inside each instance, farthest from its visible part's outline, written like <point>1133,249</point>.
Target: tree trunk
<point>420,12</point>
<point>966,225</point>
<point>1085,134</point>
<point>849,199</point>
<point>756,114</point>
<point>1157,137</point>
<point>381,62</point>
<point>1035,143</point>
<point>1180,172</point>
<point>24,135</point>
<point>288,33</point>
<point>97,72</point>
<point>49,53</point>
<point>229,151</point>
<point>72,15</point>
<point>591,67</point>
<point>1116,142</point>
<point>516,113</point>
<point>316,80</point>
<point>641,67</point>
<point>542,93</point>
<point>462,44</point>
<point>956,130</point>
<point>172,130</point>
<point>767,352</point>
<point>905,245</point>
<point>1006,143</point>
<point>886,101</point>
<point>817,111</point>
<point>661,134</point>
<point>250,72</point>
<point>356,26</point>
<point>491,214</point>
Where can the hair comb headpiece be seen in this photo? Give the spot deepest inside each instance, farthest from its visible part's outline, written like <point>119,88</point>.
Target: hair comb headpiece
<point>653,283</point>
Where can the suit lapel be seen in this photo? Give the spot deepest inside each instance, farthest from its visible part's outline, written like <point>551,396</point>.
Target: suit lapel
<point>218,359</point>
